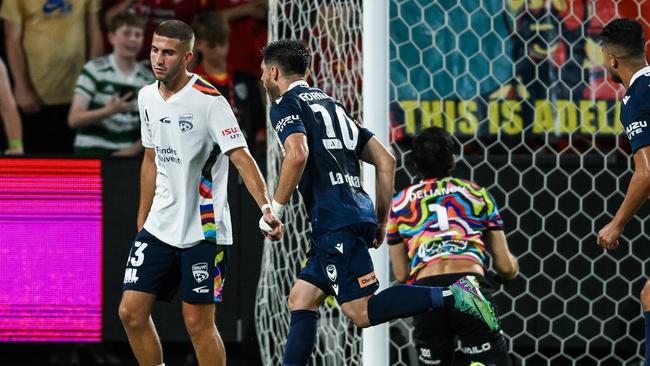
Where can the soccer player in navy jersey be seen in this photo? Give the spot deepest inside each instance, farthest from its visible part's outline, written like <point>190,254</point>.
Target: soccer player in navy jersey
<point>625,59</point>
<point>323,146</point>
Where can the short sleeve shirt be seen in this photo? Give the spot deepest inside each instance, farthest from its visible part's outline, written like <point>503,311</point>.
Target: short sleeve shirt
<point>440,219</point>
<point>52,70</point>
<point>635,110</point>
<point>190,132</point>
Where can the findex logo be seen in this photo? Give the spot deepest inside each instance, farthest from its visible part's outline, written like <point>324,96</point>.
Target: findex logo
<point>230,131</point>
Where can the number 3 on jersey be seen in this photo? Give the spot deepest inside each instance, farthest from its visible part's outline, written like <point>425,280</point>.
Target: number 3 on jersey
<point>349,130</point>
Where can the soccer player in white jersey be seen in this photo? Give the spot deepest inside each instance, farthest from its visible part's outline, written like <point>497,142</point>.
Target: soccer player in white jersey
<point>624,57</point>
<point>189,132</point>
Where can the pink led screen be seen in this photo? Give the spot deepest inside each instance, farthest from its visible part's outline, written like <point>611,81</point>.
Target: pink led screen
<point>50,250</point>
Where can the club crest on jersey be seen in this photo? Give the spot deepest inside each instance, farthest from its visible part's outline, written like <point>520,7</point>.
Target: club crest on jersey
<point>331,272</point>
<point>200,271</point>
<point>185,122</point>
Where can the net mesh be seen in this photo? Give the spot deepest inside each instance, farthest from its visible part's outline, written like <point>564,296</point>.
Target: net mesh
<point>332,30</point>
<point>535,116</point>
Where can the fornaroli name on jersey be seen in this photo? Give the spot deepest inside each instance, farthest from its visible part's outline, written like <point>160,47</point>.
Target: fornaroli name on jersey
<point>307,97</point>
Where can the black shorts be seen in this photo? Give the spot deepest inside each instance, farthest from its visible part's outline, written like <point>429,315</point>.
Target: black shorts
<point>159,268</point>
<point>436,332</point>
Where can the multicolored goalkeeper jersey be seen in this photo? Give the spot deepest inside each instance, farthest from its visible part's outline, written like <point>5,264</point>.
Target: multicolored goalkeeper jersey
<point>442,219</point>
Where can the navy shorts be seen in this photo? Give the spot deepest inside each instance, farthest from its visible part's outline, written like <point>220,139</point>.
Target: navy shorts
<point>339,263</point>
<point>161,269</point>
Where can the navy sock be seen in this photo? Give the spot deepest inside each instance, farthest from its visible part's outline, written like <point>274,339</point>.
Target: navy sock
<point>400,301</point>
<point>646,316</point>
<point>301,339</point>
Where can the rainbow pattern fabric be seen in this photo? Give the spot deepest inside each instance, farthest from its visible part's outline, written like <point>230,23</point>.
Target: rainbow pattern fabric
<point>207,210</point>
<point>442,219</point>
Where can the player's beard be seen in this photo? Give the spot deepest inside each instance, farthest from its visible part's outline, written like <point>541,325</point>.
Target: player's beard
<point>272,90</point>
<point>615,76</point>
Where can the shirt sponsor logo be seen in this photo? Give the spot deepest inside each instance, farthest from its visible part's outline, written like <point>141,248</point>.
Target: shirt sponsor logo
<point>331,272</point>
<point>185,122</point>
<point>200,271</point>
<point>167,155</point>
<point>635,128</point>
<point>285,121</point>
<point>233,133</point>
<point>339,178</point>
<point>367,280</point>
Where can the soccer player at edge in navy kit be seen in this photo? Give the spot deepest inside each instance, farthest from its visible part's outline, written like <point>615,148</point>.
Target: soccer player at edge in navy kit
<point>189,133</point>
<point>624,58</point>
<point>323,146</point>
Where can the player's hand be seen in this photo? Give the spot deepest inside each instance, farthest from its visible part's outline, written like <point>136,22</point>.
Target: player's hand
<point>121,104</point>
<point>379,236</point>
<point>271,226</point>
<point>608,236</point>
<point>27,100</point>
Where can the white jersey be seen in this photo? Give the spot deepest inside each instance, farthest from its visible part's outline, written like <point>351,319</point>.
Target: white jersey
<point>190,132</point>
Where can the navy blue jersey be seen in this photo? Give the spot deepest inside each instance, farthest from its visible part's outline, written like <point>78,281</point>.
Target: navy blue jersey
<point>331,184</point>
<point>635,111</point>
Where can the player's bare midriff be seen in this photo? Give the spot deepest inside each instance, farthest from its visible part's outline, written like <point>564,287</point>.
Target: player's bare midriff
<point>447,266</point>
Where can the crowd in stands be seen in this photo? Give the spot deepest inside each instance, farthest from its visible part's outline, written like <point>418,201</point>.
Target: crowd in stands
<point>71,69</point>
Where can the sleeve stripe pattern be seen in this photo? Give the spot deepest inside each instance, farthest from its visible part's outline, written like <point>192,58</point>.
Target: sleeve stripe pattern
<point>205,87</point>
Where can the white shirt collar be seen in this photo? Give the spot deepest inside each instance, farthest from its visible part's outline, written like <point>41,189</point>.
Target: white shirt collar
<point>645,70</point>
<point>291,86</point>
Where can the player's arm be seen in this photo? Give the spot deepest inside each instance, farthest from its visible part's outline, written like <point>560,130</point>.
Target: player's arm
<point>26,97</point>
<point>148,174</point>
<point>94,32</point>
<point>399,262</point>
<point>636,196</point>
<point>375,153</point>
<point>504,263</point>
<point>254,181</point>
<point>293,165</point>
<point>9,113</point>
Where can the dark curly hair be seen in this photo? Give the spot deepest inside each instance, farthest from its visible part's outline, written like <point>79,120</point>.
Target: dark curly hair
<point>432,153</point>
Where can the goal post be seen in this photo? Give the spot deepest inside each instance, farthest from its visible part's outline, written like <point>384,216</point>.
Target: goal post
<point>375,112</point>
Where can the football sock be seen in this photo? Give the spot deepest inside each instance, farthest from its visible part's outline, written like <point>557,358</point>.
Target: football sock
<point>301,339</point>
<point>400,301</point>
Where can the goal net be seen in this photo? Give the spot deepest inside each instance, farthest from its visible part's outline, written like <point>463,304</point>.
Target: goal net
<point>519,85</point>
<point>332,30</point>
